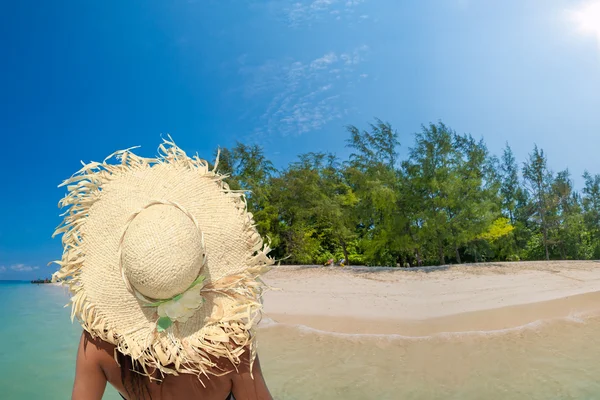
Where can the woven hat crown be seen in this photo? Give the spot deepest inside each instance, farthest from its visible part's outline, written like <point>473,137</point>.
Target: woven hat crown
<point>162,251</point>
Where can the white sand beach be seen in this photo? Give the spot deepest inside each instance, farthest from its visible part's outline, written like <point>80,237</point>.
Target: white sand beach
<point>429,300</point>
<point>408,308</point>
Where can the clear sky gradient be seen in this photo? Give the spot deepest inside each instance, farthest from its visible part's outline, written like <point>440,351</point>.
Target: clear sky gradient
<point>80,79</point>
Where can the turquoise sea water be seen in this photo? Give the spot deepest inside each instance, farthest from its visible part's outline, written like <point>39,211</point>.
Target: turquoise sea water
<point>543,361</point>
<point>39,343</point>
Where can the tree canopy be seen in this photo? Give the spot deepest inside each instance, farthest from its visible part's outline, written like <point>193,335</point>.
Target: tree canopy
<point>448,201</point>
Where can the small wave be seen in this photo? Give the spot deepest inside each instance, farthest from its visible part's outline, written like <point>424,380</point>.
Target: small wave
<point>583,316</point>
<point>579,318</point>
<point>266,322</point>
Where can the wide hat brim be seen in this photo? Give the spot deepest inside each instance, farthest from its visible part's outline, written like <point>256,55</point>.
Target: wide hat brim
<point>101,198</point>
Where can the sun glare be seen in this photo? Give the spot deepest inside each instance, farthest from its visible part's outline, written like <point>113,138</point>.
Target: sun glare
<point>587,18</point>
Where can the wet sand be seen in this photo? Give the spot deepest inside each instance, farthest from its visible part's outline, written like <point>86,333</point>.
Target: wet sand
<point>426,301</point>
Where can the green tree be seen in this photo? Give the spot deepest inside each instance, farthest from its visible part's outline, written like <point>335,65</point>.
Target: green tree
<point>497,241</point>
<point>591,210</point>
<point>475,197</point>
<point>249,169</point>
<point>450,200</point>
<point>570,231</point>
<point>371,173</point>
<point>315,208</point>
<point>538,180</point>
<point>430,171</point>
<point>510,186</point>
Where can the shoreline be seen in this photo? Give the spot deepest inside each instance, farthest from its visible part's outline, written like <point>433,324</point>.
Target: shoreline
<point>482,321</point>
<point>426,301</point>
<point>431,300</point>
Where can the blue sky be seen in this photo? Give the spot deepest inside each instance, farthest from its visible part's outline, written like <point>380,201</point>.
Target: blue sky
<point>80,79</point>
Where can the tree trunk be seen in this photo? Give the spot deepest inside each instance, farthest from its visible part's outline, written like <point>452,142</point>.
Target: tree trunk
<point>563,252</point>
<point>418,257</point>
<point>441,254</point>
<point>458,260</point>
<point>417,252</point>
<point>345,250</point>
<point>545,237</point>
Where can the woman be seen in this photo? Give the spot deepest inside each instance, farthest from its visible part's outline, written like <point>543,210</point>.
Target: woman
<point>96,366</point>
<point>163,264</point>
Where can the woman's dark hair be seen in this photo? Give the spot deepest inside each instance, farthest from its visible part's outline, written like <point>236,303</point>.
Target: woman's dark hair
<point>136,384</point>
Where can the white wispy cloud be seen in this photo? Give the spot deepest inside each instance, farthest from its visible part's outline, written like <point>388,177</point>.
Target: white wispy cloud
<point>19,268</point>
<point>354,57</point>
<point>300,12</point>
<point>325,61</point>
<point>304,95</point>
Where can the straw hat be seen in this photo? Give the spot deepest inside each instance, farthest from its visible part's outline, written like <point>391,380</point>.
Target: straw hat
<point>163,260</point>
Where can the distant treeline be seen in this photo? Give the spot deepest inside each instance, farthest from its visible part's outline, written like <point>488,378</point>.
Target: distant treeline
<point>449,201</point>
<point>38,281</point>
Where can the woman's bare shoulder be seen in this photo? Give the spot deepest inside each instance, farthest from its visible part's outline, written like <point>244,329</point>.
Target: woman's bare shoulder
<point>96,348</point>
<point>246,378</point>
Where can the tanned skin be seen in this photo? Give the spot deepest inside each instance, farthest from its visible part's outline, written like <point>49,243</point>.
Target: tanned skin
<point>96,366</point>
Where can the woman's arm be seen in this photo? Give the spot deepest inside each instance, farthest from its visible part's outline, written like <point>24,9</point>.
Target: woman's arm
<point>246,387</point>
<point>90,381</point>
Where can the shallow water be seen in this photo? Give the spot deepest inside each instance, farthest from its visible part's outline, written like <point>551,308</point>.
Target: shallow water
<point>547,360</point>
<point>553,360</point>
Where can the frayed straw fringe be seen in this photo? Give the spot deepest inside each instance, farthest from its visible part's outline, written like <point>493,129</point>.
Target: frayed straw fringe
<point>227,337</point>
